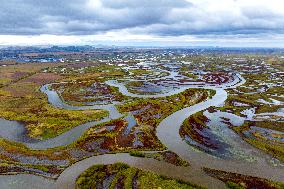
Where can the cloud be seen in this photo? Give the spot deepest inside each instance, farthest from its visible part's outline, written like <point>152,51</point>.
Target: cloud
<point>145,17</point>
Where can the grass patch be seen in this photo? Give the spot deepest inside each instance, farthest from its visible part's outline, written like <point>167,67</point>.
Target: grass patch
<point>127,177</point>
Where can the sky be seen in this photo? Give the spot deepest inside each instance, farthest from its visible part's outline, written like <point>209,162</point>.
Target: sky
<point>232,23</point>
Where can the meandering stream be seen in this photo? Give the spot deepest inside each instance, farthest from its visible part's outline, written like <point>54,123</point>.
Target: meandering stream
<point>167,132</point>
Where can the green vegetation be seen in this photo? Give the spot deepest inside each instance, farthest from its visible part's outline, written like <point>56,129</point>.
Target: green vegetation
<point>162,107</point>
<point>238,181</point>
<point>127,177</point>
<point>190,126</point>
<point>191,75</point>
<point>273,148</point>
<point>137,154</point>
<point>139,72</point>
<point>17,72</point>
<point>11,168</point>
<point>22,101</point>
<point>116,141</point>
<point>233,185</point>
<point>82,82</point>
<point>87,71</point>
<point>167,156</point>
<point>80,92</point>
<point>41,119</point>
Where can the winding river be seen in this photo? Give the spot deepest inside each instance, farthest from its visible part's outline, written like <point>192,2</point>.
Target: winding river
<point>167,132</point>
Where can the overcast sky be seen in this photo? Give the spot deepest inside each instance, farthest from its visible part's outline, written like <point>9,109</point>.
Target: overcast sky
<point>143,22</point>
